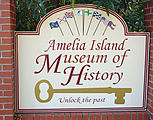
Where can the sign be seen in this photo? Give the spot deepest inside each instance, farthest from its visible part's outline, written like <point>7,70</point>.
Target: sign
<point>81,60</point>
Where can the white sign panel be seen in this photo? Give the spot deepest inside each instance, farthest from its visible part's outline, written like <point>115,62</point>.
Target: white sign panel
<point>81,60</point>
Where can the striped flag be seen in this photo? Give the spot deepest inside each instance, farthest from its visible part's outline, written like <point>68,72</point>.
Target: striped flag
<point>105,21</point>
<point>111,25</point>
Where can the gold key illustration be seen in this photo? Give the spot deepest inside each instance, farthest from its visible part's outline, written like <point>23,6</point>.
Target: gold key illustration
<point>119,92</point>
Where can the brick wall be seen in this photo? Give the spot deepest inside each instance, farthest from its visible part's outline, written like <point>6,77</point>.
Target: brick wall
<point>7,27</point>
<point>149,27</point>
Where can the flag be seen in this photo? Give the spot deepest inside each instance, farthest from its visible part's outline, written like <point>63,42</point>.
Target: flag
<point>78,12</point>
<point>61,20</point>
<point>97,15</point>
<point>105,21</point>
<point>68,14</point>
<point>54,25</point>
<point>88,12</point>
<point>111,25</point>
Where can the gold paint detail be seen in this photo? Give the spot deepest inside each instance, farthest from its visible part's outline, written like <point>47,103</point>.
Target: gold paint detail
<point>119,92</point>
<point>49,91</point>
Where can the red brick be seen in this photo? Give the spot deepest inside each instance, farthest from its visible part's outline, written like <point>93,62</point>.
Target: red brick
<point>116,115</point>
<point>6,60</point>
<point>110,116</point>
<point>6,112</point>
<point>9,117</point>
<point>6,34</point>
<point>8,27</point>
<point>6,47</point>
<point>134,116</point>
<point>151,103</point>
<point>49,116</point>
<point>6,74</point>
<point>149,108</point>
<point>151,54</point>
<point>8,80</point>
<point>7,67</point>
<point>128,115</point>
<point>73,116</point>
<point>98,116</point>
<point>30,117</point>
<point>8,93</point>
<point>140,115</point>
<point>151,23</point>
<point>67,117</point>
<point>85,116</point>
<point>150,4</point>
<point>151,36</point>
<point>36,116</point>
<point>7,54</point>
<point>147,23</point>
<point>150,28</point>
<point>1,117</point>
<point>6,1</point>
<point>7,40</point>
<point>150,16</point>
<point>146,5</point>
<point>1,93</point>
<point>150,96</point>
<point>150,90</point>
<point>43,116</point>
<point>151,116</point>
<point>5,7</point>
<point>1,106</point>
<point>151,59</point>
<point>146,116</point>
<point>6,87</point>
<point>104,116</point>
<point>8,106</point>
<point>146,11</point>
<point>151,72</point>
<point>8,14</point>
<point>24,116</point>
<point>151,85</point>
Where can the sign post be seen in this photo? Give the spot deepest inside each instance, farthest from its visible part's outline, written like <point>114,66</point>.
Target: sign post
<point>81,60</point>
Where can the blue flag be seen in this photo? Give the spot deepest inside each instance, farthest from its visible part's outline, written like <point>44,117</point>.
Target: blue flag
<point>54,25</point>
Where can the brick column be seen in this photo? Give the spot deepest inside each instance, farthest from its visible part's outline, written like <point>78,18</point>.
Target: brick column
<point>149,28</point>
<point>7,27</point>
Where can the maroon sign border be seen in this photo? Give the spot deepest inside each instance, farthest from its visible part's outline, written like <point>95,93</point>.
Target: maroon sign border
<point>126,33</point>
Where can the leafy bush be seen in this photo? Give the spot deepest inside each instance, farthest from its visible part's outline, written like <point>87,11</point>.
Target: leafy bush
<point>29,12</point>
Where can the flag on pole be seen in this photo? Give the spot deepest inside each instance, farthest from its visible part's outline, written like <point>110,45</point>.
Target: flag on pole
<point>54,25</point>
<point>61,20</point>
<point>105,21</point>
<point>78,12</point>
<point>88,12</point>
<point>68,14</point>
<point>97,15</point>
<point>111,25</point>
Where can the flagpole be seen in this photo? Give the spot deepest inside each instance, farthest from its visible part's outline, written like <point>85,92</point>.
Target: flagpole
<point>83,20</point>
<point>76,23</point>
<point>105,29</point>
<point>97,27</point>
<point>69,26</point>
<point>60,28</point>
<point>89,24</point>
